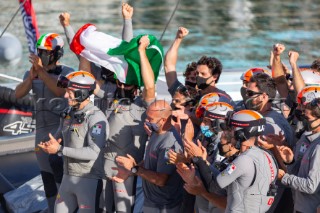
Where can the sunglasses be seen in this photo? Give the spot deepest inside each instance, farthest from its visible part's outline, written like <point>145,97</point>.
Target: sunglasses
<point>251,93</point>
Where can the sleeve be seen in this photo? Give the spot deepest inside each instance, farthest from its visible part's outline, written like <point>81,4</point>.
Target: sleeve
<point>207,176</point>
<point>69,32</point>
<point>310,184</point>
<point>241,165</point>
<point>127,32</point>
<point>96,138</point>
<point>172,90</point>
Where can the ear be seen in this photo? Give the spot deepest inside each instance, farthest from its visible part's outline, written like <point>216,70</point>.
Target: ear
<point>215,77</point>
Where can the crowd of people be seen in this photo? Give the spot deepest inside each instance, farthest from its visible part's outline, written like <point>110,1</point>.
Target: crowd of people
<point>202,152</point>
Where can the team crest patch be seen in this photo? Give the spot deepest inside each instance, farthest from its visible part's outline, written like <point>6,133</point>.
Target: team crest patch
<point>229,170</point>
<point>303,148</point>
<point>97,129</point>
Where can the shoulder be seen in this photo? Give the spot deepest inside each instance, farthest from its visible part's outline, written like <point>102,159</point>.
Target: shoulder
<point>65,70</point>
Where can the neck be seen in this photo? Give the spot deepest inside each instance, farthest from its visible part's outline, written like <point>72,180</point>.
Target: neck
<point>265,108</point>
<point>211,88</point>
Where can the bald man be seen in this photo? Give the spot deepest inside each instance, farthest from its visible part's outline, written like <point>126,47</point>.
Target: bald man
<point>162,186</point>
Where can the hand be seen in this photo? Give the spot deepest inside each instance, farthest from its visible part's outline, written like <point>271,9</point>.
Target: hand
<point>264,142</point>
<point>192,149</point>
<point>182,32</point>
<point>195,188</point>
<point>281,173</point>
<point>189,131</point>
<point>127,11</point>
<point>126,162</point>
<point>121,176</point>
<point>187,174</point>
<point>175,158</point>
<point>286,154</point>
<point>64,19</point>
<point>293,57</point>
<point>144,42</point>
<point>147,129</point>
<point>278,49</point>
<point>271,140</point>
<point>36,63</point>
<point>52,146</point>
<point>32,73</point>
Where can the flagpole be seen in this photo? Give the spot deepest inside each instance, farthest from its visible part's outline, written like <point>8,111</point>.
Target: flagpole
<point>5,29</point>
<point>172,14</point>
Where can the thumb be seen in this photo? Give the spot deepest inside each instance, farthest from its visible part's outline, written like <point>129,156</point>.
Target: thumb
<point>130,157</point>
<point>59,140</point>
<point>51,137</point>
<point>199,143</point>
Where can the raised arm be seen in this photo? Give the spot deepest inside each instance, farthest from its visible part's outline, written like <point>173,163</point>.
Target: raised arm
<point>278,73</point>
<point>298,82</point>
<point>146,70</point>
<point>127,13</point>
<point>171,57</point>
<point>65,23</point>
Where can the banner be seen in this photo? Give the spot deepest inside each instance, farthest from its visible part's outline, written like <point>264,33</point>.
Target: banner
<point>30,24</point>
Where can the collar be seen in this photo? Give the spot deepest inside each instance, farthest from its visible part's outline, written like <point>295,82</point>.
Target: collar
<point>85,108</point>
<point>313,137</point>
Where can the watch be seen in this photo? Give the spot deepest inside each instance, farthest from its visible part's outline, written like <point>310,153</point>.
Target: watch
<point>134,170</point>
<point>195,159</point>
<point>60,150</point>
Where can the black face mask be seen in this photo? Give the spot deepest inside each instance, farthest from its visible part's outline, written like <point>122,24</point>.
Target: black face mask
<point>107,75</point>
<point>125,95</point>
<point>190,84</point>
<point>201,82</point>
<point>220,148</point>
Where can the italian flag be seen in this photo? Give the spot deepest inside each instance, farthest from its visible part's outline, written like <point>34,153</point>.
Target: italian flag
<point>118,56</point>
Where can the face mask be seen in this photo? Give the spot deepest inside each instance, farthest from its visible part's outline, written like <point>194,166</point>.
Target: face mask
<point>249,104</point>
<point>206,131</point>
<point>243,92</point>
<point>299,115</point>
<point>220,148</point>
<point>190,84</point>
<point>152,126</point>
<point>202,82</point>
<point>122,93</point>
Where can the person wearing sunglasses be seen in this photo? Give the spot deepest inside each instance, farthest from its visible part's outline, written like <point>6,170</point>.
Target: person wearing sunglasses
<point>83,131</point>
<point>304,174</point>
<point>42,79</point>
<point>261,91</point>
